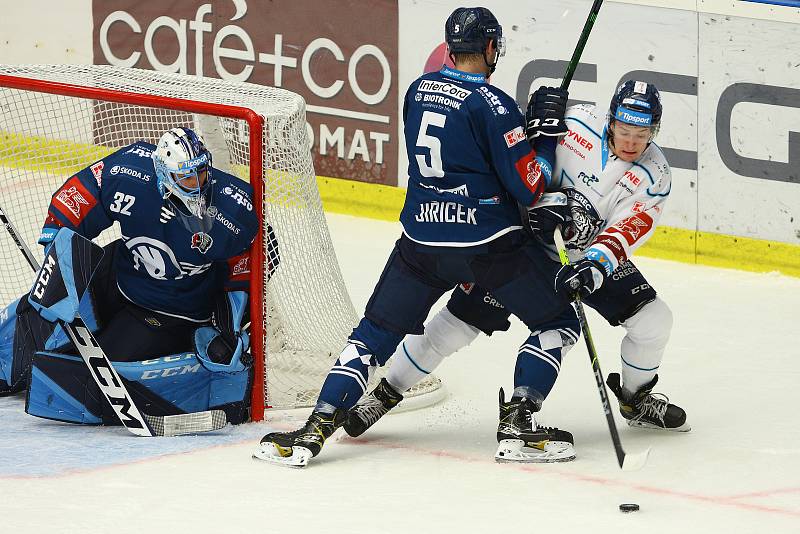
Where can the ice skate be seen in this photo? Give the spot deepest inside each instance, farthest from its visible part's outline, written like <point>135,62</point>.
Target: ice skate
<point>370,408</point>
<point>647,409</point>
<point>521,439</point>
<point>296,448</point>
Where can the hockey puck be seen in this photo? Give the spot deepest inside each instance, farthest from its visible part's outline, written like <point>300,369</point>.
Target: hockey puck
<point>628,508</point>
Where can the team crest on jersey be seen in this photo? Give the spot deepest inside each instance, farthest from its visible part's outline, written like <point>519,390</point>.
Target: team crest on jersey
<point>586,222</point>
<point>633,227</point>
<point>74,196</point>
<point>530,171</point>
<point>242,266</point>
<point>202,242</point>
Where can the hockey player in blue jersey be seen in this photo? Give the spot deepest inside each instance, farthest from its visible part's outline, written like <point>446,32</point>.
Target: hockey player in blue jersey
<point>182,260</point>
<point>614,182</point>
<point>470,166</point>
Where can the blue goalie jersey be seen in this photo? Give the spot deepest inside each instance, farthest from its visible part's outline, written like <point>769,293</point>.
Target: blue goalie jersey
<point>167,261</point>
<point>469,162</point>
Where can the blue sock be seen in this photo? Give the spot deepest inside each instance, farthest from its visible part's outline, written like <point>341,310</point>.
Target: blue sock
<point>347,380</point>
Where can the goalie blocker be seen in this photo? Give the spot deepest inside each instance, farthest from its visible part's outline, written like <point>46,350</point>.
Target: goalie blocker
<point>36,354</point>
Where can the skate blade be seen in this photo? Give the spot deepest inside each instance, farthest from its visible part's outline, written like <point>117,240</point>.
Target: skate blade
<point>685,427</point>
<point>286,456</point>
<point>514,450</point>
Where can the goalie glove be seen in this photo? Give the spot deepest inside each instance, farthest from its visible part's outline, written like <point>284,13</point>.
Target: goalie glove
<point>580,279</point>
<point>545,113</point>
<point>224,346</point>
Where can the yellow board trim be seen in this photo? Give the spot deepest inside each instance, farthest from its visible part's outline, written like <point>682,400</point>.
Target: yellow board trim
<point>677,244</point>
<point>384,202</point>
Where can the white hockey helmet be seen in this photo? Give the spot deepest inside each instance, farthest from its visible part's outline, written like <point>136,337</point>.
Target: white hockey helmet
<point>183,168</point>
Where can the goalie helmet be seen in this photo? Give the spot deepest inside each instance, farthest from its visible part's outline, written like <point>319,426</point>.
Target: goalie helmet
<point>638,104</point>
<point>183,168</point>
<point>469,29</point>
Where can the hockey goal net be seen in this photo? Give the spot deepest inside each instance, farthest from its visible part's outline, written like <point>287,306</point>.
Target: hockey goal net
<point>58,119</point>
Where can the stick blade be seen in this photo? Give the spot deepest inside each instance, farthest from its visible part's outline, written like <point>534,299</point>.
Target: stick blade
<point>188,423</point>
<point>634,462</point>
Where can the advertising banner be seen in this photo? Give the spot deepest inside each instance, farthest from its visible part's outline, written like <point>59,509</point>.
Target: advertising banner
<point>340,55</point>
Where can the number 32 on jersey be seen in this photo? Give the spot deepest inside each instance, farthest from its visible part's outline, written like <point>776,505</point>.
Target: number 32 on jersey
<point>122,203</point>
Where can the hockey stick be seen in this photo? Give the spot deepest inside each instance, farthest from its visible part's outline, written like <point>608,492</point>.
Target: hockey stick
<point>110,383</point>
<point>627,461</point>
<point>576,55</point>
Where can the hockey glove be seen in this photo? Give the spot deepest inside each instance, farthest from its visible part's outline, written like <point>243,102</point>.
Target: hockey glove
<point>224,346</point>
<point>550,211</point>
<point>580,279</point>
<point>545,113</point>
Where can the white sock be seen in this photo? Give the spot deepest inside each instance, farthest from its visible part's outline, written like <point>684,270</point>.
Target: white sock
<point>418,356</point>
<point>643,346</point>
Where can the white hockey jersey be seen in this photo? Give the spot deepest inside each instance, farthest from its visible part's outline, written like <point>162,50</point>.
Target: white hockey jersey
<point>616,205</point>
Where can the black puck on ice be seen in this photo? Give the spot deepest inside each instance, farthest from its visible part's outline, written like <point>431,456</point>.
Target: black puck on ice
<point>628,508</point>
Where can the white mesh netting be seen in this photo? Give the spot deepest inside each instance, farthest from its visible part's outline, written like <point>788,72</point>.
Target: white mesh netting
<point>46,138</point>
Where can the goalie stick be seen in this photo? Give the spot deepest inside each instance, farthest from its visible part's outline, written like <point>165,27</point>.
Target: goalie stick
<point>110,383</point>
<point>627,461</point>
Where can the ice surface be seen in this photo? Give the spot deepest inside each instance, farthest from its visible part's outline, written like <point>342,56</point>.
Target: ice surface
<point>732,363</point>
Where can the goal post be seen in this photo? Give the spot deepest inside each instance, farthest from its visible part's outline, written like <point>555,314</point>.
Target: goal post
<point>58,119</point>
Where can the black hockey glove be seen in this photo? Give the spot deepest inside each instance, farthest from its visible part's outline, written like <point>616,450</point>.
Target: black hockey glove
<point>580,279</point>
<point>545,113</point>
<point>550,211</point>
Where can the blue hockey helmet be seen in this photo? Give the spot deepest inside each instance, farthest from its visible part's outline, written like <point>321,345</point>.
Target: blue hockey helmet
<point>183,168</point>
<point>638,104</point>
<point>469,29</point>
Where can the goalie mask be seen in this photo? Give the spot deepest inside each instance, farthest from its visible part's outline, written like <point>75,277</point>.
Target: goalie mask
<point>183,168</point>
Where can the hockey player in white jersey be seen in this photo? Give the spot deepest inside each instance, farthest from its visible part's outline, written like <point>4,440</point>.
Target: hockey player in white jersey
<point>615,181</point>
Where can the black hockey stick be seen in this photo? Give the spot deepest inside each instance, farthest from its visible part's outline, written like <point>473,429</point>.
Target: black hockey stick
<point>110,383</point>
<point>627,461</point>
<point>576,55</point>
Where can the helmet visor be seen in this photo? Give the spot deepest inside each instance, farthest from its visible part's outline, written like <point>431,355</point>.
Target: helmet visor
<point>500,43</point>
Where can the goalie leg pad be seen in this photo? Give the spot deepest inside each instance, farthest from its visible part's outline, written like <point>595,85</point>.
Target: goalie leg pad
<point>61,389</point>
<point>8,321</point>
<point>65,275</point>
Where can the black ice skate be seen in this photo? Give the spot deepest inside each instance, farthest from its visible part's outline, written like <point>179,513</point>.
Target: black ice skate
<point>294,449</point>
<point>522,440</point>
<point>370,408</point>
<point>647,409</point>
